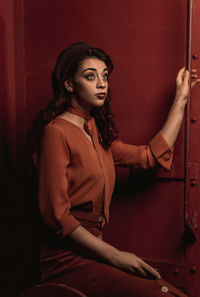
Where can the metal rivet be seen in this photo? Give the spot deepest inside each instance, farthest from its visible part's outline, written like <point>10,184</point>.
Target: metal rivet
<point>193,120</point>
<point>194,56</point>
<point>193,269</point>
<point>193,183</point>
<point>176,271</point>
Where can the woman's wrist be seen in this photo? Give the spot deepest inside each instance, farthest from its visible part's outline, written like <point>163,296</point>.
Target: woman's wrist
<point>111,255</point>
<point>180,102</point>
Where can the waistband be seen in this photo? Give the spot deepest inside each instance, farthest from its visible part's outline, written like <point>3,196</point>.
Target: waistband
<point>91,220</point>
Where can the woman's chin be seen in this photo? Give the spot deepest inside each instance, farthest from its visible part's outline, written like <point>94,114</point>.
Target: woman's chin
<point>99,103</point>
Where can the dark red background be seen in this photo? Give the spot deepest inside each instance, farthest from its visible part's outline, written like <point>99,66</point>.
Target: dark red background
<point>147,42</point>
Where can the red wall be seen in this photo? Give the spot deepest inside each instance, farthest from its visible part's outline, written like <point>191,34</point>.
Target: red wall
<point>147,42</point>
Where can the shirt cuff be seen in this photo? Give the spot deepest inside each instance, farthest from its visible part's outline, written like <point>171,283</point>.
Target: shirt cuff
<point>161,150</point>
<point>70,224</point>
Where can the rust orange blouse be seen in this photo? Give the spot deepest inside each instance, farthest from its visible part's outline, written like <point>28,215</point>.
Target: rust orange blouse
<point>74,174</point>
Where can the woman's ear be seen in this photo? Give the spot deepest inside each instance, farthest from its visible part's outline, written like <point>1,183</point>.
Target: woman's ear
<point>69,86</point>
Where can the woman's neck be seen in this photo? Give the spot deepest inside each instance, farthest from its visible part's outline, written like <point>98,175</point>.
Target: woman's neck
<point>73,118</point>
<point>84,108</point>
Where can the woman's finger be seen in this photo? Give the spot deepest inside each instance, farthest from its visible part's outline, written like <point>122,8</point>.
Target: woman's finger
<point>140,271</point>
<point>186,76</point>
<point>180,76</point>
<point>195,82</point>
<point>194,76</point>
<point>151,270</point>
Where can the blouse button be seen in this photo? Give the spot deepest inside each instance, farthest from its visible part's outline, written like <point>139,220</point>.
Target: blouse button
<point>164,289</point>
<point>100,222</point>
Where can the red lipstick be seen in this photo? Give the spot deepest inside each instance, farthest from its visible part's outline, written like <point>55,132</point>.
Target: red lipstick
<point>101,95</point>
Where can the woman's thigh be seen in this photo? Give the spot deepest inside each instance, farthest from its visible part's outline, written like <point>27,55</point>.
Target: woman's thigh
<point>100,280</point>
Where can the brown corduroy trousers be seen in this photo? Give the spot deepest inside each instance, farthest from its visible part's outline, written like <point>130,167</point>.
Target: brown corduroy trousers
<point>97,279</point>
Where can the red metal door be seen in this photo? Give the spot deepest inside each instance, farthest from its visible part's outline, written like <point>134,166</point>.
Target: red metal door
<point>192,255</point>
<point>148,43</point>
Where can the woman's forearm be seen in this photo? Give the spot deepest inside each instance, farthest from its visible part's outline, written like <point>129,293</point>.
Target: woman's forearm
<point>102,251</point>
<point>92,245</point>
<point>172,125</point>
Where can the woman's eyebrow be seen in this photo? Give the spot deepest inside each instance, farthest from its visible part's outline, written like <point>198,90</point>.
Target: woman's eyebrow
<point>93,69</point>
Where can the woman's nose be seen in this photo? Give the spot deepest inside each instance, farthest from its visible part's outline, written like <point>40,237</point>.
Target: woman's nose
<point>100,83</point>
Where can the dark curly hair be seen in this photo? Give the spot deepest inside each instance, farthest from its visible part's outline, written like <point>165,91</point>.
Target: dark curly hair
<point>66,67</point>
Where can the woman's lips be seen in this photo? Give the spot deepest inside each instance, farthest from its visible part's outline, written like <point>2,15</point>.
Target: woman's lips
<point>101,95</point>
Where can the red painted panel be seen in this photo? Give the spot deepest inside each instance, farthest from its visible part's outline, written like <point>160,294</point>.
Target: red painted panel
<point>150,221</point>
<point>147,41</point>
<point>193,252</point>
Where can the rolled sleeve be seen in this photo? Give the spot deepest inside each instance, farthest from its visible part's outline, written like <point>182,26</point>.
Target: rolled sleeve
<point>143,156</point>
<point>54,203</point>
<point>161,150</point>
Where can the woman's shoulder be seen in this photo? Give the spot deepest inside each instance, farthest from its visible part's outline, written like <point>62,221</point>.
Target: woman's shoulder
<point>62,129</point>
<point>59,124</point>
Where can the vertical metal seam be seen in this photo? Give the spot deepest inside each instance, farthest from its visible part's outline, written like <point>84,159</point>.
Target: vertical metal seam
<point>187,115</point>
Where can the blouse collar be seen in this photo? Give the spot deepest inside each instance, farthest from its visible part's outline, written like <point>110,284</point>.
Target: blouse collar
<point>79,112</point>
<point>88,125</point>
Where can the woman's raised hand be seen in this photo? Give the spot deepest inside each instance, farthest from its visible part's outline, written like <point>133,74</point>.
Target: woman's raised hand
<point>172,125</point>
<point>132,264</point>
<point>182,82</point>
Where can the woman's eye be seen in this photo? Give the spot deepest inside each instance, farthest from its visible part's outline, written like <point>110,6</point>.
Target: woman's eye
<point>90,76</point>
<point>105,76</point>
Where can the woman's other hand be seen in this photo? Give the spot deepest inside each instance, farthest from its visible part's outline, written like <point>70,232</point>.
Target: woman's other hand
<point>132,264</point>
<point>100,250</point>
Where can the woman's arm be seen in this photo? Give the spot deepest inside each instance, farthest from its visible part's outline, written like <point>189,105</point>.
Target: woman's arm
<point>156,152</point>
<point>159,150</point>
<point>54,202</point>
<point>173,123</point>
<point>102,251</point>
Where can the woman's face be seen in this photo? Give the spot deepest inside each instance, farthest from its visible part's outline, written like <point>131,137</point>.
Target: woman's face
<point>90,84</point>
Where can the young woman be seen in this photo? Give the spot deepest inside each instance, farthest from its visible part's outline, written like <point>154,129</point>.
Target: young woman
<point>75,146</point>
